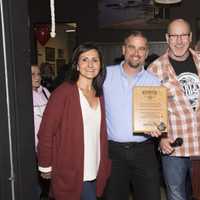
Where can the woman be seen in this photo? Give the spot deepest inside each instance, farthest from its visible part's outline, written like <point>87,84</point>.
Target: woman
<point>40,98</point>
<point>72,146</point>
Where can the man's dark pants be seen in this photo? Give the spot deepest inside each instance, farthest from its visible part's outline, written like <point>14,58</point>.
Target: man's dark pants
<point>133,164</point>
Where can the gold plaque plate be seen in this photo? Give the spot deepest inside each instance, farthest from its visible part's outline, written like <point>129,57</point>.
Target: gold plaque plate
<point>149,109</point>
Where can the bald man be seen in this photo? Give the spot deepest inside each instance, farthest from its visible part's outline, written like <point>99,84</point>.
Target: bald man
<point>179,70</point>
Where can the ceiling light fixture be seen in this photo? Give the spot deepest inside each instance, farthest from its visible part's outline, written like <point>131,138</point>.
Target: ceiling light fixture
<point>70,31</point>
<point>70,27</point>
<point>167,1</point>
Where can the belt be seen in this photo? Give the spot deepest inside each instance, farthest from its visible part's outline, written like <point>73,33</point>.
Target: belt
<point>128,145</point>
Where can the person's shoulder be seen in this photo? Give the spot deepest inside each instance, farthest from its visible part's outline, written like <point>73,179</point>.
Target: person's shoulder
<point>112,72</point>
<point>161,59</point>
<point>151,77</point>
<point>112,68</point>
<point>64,89</point>
<point>65,85</point>
<point>159,63</point>
<point>149,74</point>
<point>46,91</point>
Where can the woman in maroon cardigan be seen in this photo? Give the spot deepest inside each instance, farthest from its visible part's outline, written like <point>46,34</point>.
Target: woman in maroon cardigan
<point>72,148</point>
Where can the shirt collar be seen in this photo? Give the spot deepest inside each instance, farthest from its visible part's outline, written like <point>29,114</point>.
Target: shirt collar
<point>39,90</point>
<point>130,77</point>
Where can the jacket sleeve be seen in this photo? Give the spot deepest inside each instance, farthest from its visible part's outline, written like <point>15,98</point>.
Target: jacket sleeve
<point>153,68</point>
<point>49,126</point>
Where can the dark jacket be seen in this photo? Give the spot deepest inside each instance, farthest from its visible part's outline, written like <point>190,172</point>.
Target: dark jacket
<point>61,144</point>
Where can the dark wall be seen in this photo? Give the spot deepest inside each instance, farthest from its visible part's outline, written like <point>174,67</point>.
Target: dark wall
<point>81,12</point>
<point>85,13</point>
<point>189,10</point>
<point>17,154</point>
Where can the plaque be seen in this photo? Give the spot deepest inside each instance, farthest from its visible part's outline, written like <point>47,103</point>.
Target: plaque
<point>149,109</point>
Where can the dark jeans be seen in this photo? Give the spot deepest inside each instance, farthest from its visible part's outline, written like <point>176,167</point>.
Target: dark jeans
<point>133,164</point>
<point>89,190</point>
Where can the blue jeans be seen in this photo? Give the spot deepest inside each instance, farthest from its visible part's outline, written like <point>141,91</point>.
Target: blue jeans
<point>177,175</point>
<point>89,190</point>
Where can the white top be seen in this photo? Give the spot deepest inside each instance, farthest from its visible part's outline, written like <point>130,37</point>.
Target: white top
<point>91,124</point>
<point>39,105</point>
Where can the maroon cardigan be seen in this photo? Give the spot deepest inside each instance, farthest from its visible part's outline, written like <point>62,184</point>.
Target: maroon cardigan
<point>61,144</point>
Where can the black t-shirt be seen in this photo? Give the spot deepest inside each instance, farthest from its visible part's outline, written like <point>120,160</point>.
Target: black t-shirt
<point>187,76</point>
<point>184,66</point>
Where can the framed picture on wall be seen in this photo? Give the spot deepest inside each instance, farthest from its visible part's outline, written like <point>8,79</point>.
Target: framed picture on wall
<point>59,65</point>
<point>60,53</point>
<point>50,54</point>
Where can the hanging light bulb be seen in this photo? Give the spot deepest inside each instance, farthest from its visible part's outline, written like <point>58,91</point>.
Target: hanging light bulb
<point>53,27</point>
<point>167,1</point>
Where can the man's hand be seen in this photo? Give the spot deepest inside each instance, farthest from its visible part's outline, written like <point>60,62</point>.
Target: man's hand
<point>46,175</point>
<point>154,133</point>
<point>165,145</point>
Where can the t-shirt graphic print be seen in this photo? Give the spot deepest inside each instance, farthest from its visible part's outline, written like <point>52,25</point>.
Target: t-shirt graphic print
<point>190,83</point>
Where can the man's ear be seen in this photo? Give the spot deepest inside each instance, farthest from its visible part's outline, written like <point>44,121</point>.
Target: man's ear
<point>147,53</point>
<point>190,36</point>
<point>167,38</point>
<point>123,49</point>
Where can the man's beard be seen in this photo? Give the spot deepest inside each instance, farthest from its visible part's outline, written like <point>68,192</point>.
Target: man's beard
<point>134,65</point>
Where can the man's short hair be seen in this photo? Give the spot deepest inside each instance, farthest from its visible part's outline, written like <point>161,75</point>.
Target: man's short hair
<point>136,34</point>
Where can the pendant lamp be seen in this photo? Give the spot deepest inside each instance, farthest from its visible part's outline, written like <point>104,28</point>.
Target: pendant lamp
<point>167,1</point>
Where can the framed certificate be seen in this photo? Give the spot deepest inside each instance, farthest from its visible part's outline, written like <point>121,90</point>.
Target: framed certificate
<point>149,109</point>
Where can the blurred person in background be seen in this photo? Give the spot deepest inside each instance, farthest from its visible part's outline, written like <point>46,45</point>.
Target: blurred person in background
<point>40,99</point>
<point>47,76</point>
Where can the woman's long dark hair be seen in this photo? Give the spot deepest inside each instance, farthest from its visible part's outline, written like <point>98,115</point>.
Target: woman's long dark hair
<point>97,82</point>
